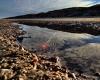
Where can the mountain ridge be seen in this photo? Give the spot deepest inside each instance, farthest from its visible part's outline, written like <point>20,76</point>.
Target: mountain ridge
<point>92,11</point>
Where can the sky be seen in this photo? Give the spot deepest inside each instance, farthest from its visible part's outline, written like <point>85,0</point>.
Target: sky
<point>17,7</point>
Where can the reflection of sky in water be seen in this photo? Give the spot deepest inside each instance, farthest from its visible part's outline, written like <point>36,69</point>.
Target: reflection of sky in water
<point>57,39</point>
<point>76,51</point>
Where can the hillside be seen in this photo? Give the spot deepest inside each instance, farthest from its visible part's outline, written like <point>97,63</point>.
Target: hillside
<point>92,11</point>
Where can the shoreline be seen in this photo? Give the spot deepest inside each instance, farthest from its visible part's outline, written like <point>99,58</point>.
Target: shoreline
<point>73,25</point>
<point>16,62</point>
<point>19,63</point>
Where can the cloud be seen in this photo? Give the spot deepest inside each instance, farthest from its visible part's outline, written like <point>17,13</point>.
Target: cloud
<point>35,6</point>
<point>46,5</point>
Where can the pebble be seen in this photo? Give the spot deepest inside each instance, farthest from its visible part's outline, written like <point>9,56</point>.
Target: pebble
<point>6,74</point>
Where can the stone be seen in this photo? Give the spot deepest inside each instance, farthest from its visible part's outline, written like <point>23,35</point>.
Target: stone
<point>35,58</point>
<point>6,74</point>
<point>97,74</point>
<point>66,76</point>
<point>54,59</point>
<point>21,79</point>
<point>72,75</point>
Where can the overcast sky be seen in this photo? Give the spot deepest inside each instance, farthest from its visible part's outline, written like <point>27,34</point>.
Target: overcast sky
<point>34,6</point>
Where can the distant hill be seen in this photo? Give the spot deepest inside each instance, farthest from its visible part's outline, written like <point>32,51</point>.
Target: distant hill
<point>93,11</point>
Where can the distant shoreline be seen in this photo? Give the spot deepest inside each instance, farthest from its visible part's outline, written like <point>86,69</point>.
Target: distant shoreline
<point>74,25</point>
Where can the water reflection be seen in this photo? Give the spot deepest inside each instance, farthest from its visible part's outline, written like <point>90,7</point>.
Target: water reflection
<point>56,40</point>
<point>79,52</point>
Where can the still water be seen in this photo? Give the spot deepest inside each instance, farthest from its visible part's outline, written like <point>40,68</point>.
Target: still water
<point>56,40</point>
<point>77,51</point>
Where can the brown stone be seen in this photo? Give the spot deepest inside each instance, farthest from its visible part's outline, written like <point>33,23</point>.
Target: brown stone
<point>6,74</point>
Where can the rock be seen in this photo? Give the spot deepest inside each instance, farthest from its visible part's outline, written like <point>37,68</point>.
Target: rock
<point>46,77</point>
<point>66,76</point>
<point>54,59</point>
<point>5,65</point>
<point>6,74</point>
<point>24,71</point>
<point>97,74</point>
<point>20,77</point>
<point>85,76</point>
<point>64,69</point>
<point>34,61</point>
<point>35,58</point>
<point>72,75</point>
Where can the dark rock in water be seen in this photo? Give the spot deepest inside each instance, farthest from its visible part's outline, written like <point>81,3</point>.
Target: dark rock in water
<point>97,74</point>
<point>20,39</point>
